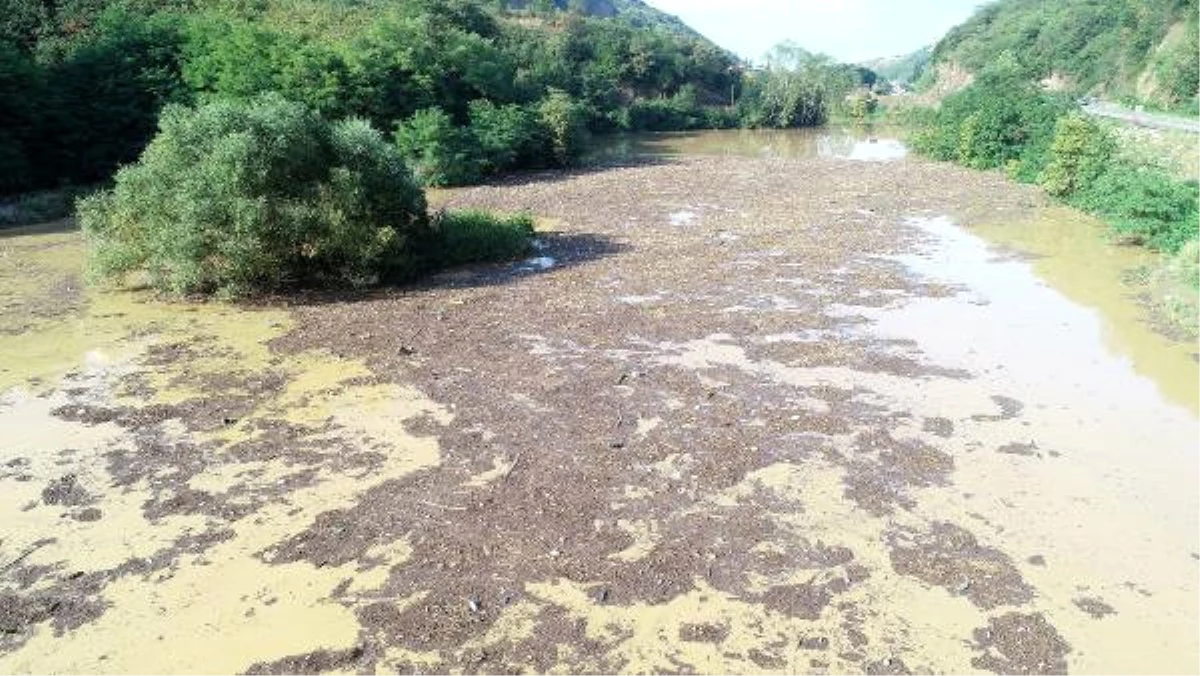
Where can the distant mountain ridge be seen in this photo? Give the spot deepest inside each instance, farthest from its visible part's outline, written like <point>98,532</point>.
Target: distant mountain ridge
<point>636,12</point>
<point>903,68</point>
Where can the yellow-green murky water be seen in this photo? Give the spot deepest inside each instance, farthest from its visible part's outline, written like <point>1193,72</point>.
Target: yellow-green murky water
<point>1049,287</point>
<point>229,607</point>
<point>1108,493</point>
<point>848,143</point>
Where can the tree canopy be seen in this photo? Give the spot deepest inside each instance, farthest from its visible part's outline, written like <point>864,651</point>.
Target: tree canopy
<point>471,87</point>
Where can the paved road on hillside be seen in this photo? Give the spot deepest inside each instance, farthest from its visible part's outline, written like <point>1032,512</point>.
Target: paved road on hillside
<point>1142,118</point>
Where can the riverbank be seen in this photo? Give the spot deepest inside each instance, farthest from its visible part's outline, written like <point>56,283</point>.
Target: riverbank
<point>1140,181</point>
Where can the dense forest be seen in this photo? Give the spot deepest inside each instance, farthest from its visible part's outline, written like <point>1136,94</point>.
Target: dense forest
<point>465,87</point>
<point>1139,50</point>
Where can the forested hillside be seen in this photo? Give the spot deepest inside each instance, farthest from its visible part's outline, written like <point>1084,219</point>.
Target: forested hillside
<point>1146,50</point>
<point>635,12</point>
<point>902,68</point>
<point>82,82</point>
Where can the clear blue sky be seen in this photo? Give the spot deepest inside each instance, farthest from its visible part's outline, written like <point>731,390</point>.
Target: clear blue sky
<point>848,30</point>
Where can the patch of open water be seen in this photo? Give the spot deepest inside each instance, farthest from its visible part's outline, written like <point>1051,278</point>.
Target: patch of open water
<point>1101,407</point>
<point>848,143</point>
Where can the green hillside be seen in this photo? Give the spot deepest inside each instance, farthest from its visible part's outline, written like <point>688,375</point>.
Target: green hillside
<point>635,12</point>
<point>902,68</point>
<point>1145,50</point>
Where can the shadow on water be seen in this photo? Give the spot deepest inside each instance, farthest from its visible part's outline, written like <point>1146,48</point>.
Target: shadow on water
<point>50,228</point>
<point>551,252</point>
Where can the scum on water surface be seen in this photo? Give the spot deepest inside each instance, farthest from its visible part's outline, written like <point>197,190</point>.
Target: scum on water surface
<point>814,429</point>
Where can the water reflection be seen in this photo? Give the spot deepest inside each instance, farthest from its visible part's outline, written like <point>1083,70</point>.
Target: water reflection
<point>851,143</point>
<point>876,150</point>
<point>1062,322</point>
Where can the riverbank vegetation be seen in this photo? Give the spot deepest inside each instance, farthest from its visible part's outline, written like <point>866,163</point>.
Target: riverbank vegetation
<point>319,182</point>
<point>82,83</point>
<point>1004,120</point>
<point>285,142</point>
<point>1014,73</point>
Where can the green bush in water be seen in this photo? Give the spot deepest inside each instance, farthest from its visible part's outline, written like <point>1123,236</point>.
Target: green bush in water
<point>463,237</point>
<point>1080,153</point>
<point>565,121</point>
<point>236,198</point>
<point>508,136</point>
<point>1145,204</point>
<point>441,153</point>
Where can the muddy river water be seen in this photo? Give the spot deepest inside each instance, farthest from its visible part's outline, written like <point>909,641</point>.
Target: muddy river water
<point>758,403</point>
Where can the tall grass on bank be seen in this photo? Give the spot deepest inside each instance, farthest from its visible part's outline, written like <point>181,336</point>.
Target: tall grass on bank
<point>1176,287</point>
<point>465,237</point>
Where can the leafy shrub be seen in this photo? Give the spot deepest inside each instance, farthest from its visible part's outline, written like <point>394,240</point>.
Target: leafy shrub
<point>462,237</point>
<point>1000,120</point>
<point>784,99</point>
<point>226,58</point>
<point>681,112</point>
<point>720,118</point>
<point>1145,204</point>
<point>797,89</point>
<point>441,153</point>
<point>507,136</point>
<point>565,121</point>
<point>1080,153</point>
<point>243,197</point>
